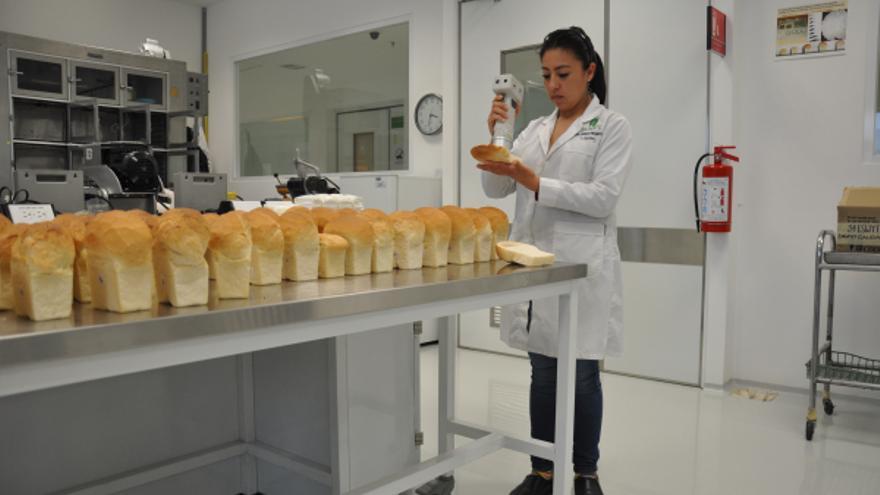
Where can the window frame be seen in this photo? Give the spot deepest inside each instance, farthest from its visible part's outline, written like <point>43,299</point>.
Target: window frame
<point>326,36</point>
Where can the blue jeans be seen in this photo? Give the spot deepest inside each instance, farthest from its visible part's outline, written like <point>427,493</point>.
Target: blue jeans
<point>587,411</point>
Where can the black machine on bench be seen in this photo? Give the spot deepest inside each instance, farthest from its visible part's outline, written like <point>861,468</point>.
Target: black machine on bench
<point>132,181</point>
<point>129,181</point>
<point>304,183</point>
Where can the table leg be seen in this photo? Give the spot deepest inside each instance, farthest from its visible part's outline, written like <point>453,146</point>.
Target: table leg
<point>448,342</point>
<point>565,380</point>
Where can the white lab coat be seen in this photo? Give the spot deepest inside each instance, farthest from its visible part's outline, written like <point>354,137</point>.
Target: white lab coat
<point>582,177</point>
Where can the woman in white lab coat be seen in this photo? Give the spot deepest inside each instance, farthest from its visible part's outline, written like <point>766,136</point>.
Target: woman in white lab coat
<point>571,170</point>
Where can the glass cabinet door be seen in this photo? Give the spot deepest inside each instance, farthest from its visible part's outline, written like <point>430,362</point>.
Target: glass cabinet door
<point>142,87</point>
<point>98,82</point>
<point>38,75</point>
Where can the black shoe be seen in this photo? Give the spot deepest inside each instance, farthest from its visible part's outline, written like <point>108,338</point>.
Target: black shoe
<point>586,485</point>
<point>534,485</point>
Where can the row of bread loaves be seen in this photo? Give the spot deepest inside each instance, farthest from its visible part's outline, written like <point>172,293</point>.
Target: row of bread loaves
<point>125,261</point>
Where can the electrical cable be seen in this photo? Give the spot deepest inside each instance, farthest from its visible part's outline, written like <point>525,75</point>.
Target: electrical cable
<point>10,197</point>
<point>696,194</point>
<point>338,189</point>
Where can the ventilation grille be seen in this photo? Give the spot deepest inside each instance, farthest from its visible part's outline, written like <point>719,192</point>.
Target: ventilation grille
<point>495,317</point>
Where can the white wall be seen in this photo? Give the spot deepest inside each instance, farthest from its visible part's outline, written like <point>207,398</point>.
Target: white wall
<point>719,308</point>
<point>799,125</point>
<point>115,24</point>
<point>239,28</point>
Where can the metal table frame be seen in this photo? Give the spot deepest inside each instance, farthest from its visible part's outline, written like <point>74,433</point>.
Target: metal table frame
<point>45,357</point>
<point>833,262</point>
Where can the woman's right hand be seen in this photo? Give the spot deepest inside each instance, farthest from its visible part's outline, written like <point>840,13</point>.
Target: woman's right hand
<point>498,112</point>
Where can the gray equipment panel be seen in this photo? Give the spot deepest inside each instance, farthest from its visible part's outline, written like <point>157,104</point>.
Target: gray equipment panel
<point>199,191</point>
<point>49,82</point>
<point>197,94</point>
<point>62,188</point>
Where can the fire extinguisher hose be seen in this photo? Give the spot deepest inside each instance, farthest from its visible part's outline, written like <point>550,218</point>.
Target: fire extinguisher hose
<point>696,193</point>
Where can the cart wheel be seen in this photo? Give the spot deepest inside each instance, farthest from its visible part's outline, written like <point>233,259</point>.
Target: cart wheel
<point>828,406</point>
<point>811,428</point>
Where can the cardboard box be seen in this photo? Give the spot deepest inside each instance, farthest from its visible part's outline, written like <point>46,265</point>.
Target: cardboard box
<point>858,220</point>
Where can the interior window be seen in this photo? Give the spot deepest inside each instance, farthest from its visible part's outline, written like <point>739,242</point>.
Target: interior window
<point>341,102</point>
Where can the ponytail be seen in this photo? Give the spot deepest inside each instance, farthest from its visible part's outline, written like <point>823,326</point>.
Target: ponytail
<point>576,41</point>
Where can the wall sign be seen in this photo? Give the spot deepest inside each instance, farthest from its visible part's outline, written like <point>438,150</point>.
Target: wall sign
<point>811,30</point>
<point>716,31</point>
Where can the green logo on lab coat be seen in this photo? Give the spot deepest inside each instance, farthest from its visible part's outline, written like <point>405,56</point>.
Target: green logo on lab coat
<point>592,124</point>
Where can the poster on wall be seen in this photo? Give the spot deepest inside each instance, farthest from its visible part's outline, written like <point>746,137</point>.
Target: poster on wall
<point>816,30</point>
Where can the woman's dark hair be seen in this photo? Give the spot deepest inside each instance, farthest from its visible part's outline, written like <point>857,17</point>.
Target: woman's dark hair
<point>576,41</point>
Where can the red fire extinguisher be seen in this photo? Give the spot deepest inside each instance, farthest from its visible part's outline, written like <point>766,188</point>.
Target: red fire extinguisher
<point>713,199</point>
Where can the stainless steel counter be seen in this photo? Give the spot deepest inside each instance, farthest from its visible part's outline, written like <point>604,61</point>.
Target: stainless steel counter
<point>187,376</point>
<point>90,332</point>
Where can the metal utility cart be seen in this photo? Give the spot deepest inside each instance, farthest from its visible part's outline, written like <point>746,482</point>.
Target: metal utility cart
<point>827,366</point>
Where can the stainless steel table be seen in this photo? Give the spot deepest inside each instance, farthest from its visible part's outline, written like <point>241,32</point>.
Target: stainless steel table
<point>94,344</point>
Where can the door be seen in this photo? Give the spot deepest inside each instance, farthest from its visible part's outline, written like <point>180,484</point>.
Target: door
<point>657,71</point>
<point>661,87</point>
<point>94,82</point>
<point>144,88</point>
<point>363,151</point>
<point>495,39</point>
<point>38,75</point>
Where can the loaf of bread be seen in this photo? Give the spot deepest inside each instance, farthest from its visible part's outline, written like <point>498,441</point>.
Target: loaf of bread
<point>42,272</point>
<point>484,238</point>
<point>322,215</point>
<point>183,211</point>
<point>461,243</point>
<point>268,252</point>
<point>8,236</point>
<point>383,241</point>
<point>524,254</point>
<point>492,153</point>
<point>180,242</point>
<point>230,252</point>
<point>332,258</point>
<point>409,240</point>
<point>500,226</point>
<point>210,218</point>
<point>438,231</point>
<point>359,234</point>
<point>301,246</point>
<point>145,217</point>
<point>374,214</point>
<point>268,211</point>
<point>75,226</point>
<point>120,262</point>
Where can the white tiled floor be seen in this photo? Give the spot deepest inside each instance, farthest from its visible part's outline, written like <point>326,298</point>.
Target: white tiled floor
<point>668,439</point>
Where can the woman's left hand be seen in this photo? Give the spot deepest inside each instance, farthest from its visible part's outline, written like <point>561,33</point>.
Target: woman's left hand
<point>516,170</point>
